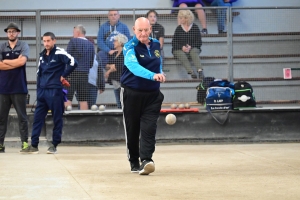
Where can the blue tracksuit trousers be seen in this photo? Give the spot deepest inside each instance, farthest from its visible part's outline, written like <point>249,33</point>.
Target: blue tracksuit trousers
<point>48,99</point>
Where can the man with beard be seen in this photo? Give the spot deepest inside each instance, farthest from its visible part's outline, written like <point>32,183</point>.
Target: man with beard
<point>13,83</point>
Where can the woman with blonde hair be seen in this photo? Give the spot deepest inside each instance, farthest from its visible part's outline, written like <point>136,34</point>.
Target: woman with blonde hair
<point>198,4</point>
<point>187,43</point>
<point>115,66</point>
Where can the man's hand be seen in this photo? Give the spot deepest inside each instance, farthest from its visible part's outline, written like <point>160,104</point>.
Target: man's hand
<point>64,82</point>
<point>159,77</point>
<point>100,91</point>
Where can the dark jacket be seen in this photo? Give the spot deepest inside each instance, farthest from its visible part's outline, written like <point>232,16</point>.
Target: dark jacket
<point>58,63</point>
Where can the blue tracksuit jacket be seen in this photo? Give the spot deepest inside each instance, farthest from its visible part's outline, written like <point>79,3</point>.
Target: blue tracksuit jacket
<point>51,68</point>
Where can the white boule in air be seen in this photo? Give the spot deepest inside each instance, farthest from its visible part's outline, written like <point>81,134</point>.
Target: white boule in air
<point>170,119</point>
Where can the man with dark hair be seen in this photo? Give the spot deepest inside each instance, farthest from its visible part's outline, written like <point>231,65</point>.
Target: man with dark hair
<point>140,96</point>
<point>55,64</point>
<point>13,83</point>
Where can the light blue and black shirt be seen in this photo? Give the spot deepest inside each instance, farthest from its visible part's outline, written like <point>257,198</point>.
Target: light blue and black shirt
<point>141,64</point>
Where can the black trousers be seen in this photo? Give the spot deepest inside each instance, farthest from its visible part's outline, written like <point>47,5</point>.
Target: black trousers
<point>140,113</point>
<point>19,102</point>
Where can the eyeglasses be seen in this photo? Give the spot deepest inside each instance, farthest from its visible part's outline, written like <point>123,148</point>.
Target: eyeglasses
<point>11,32</point>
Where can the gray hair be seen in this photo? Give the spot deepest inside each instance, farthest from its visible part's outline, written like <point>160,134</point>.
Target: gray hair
<point>80,28</point>
<point>121,38</point>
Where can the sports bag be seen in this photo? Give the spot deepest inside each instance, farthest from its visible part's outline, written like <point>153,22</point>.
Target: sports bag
<point>202,88</point>
<point>219,98</point>
<point>223,83</point>
<point>244,96</point>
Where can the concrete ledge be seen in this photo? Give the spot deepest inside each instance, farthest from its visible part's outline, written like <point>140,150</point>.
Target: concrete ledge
<point>259,125</point>
<point>249,126</point>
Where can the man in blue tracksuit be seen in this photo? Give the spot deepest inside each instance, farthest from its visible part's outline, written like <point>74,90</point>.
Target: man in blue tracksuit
<point>51,72</point>
<point>140,96</point>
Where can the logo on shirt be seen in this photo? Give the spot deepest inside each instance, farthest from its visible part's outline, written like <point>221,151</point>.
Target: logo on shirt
<point>7,54</point>
<point>17,53</point>
<point>142,56</point>
<point>53,60</point>
<point>157,54</point>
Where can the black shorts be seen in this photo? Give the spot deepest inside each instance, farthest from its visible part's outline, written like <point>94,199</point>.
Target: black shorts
<point>79,83</point>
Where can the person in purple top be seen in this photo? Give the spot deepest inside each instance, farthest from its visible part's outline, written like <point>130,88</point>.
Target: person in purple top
<point>200,12</point>
<point>221,13</point>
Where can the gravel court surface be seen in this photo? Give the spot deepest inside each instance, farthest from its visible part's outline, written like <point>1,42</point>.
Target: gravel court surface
<point>183,171</point>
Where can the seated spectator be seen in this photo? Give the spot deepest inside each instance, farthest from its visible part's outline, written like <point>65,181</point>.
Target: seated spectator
<point>158,31</point>
<point>200,12</point>
<point>115,66</point>
<point>187,43</point>
<point>106,33</point>
<point>83,51</point>
<point>221,13</point>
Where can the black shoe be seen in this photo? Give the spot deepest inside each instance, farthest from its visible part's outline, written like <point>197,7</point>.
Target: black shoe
<point>135,166</point>
<point>204,31</point>
<point>201,74</point>
<point>222,32</point>
<point>2,148</point>
<point>147,167</point>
